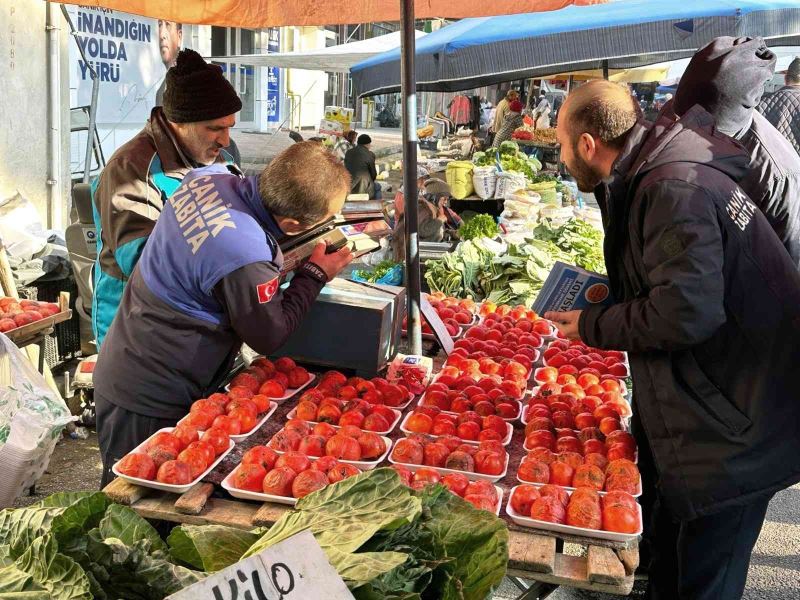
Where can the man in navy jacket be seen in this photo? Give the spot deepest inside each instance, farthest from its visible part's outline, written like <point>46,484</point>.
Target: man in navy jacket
<point>708,309</point>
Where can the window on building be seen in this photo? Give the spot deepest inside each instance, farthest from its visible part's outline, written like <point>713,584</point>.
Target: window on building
<point>219,41</point>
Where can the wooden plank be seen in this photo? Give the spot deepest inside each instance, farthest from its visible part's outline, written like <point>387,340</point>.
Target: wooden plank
<point>193,501</point>
<point>532,552</point>
<point>571,571</point>
<point>603,566</point>
<point>630,559</point>
<point>122,492</point>
<point>268,513</point>
<point>217,512</point>
<point>575,539</point>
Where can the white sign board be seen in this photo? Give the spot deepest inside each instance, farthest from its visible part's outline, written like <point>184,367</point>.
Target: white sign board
<point>294,569</point>
<point>435,321</point>
<point>126,52</point>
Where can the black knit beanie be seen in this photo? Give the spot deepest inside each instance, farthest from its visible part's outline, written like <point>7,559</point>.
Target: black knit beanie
<point>364,139</point>
<point>198,91</point>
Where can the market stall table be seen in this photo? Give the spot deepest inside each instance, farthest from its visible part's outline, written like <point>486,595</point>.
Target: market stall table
<point>535,555</point>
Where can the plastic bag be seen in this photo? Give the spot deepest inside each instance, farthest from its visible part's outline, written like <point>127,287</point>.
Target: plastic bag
<point>484,179</point>
<point>508,182</point>
<point>32,417</point>
<point>459,178</point>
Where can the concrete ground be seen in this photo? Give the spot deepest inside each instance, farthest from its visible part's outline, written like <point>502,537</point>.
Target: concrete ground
<point>774,570</point>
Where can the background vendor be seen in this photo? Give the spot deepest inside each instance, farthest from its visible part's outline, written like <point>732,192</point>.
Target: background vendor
<point>435,218</point>
<point>207,281</point>
<point>191,130</point>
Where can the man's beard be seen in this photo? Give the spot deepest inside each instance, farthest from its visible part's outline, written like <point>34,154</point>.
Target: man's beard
<point>585,175</point>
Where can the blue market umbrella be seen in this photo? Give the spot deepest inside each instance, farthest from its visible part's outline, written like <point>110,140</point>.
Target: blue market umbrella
<point>627,34</point>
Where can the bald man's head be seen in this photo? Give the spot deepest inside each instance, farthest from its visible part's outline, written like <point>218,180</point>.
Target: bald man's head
<point>592,128</point>
<point>605,110</point>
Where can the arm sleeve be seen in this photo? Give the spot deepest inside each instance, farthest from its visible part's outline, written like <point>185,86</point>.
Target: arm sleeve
<point>129,207</point>
<point>373,172</point>
<point>683,260</point>
<point>264,316</point>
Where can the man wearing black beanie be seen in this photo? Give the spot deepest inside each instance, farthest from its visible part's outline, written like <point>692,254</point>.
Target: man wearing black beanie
<point>189,131</point>
<point>727,79</point>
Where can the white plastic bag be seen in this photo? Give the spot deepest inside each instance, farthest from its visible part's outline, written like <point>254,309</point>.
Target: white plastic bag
<point>32,417</point>
<point>485,181</point>
<point>508,182</point>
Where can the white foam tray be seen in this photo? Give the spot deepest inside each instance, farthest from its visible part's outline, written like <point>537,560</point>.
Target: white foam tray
<point>243,436</point>
<point>291,415</point>
<point>443,471</point>
<point>168,487</point>
<point>636,495</point>
<point>612,536</point>
<point>364,465</point>
<point>505,441</point>
<point>289,391</point>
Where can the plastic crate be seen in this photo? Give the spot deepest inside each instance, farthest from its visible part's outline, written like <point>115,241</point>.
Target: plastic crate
<point>67,334</point>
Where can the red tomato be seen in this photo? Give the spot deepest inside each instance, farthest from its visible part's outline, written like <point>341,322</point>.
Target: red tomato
<point>174,472</point>
<point>456,483</point>
<point>137,465</point>
<point>218,438</point>
<point>249,476</point>
<point>296,461</point>
<point>278,482</point>
<point>489,463</point>
<point>343,447</point>
<point>523,498</point>
<point>424,477</point>
<point>307,482</point>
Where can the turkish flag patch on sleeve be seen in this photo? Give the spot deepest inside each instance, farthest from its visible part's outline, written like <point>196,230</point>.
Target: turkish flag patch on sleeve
<point>266,291</point>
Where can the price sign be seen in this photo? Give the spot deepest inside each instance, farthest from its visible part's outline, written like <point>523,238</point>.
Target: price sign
<point>436,323</point>
<point>294,569</point>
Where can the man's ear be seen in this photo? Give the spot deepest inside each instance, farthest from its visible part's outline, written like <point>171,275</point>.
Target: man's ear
<point>587,147</point>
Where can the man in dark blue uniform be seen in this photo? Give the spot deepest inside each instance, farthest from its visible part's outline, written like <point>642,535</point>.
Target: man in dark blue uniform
<point>207,281</point>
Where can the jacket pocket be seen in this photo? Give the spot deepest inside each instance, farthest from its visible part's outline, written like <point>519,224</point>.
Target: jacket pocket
<point>708,398</point>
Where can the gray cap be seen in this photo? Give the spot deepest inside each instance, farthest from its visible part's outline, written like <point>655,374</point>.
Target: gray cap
<point>422,172</point>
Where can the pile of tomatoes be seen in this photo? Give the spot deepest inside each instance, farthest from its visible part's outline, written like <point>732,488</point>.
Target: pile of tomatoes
<point>323,439</point>
<point>449,452</point>
<point>469,425</point>
<point>16,313</point>
<point>453,312</point>
<point>267,378</point>
<point>360,413</point>
<point>576,358</point>
<point>502,340</point>
<point>235,414</point>
<point>481,494</point>
<point>563,422</point>
<point>466,394</point>
<point>176,457</point>
<point>584,507</point>
<point>292,475</point>
<point>570,469</point>
<point>377,390</point>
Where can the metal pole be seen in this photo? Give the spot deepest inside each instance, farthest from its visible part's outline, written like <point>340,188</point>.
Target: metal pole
<point>87,165</point>
<point>54,183</point>
<point>408,92</point>
<point>605,70</point>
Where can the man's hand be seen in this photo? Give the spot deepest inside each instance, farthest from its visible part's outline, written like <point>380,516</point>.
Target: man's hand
<point>566,323</point>
<point>331,263</point>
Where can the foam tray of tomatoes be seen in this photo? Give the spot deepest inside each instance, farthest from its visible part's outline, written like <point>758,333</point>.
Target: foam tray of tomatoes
<point>267,476</point>
<point>377,390</point>
<point>448,454</point>
<point>174,458</point>
<point>465,393</point>
<point>616,517</point>
<point>481,494</point>
<point>571,470</point>
<point>573,399</point>
<point>279,380</point>
<point>575,357</point>
<point>370,417</point>
<point>15,313</point>
<point>348,444</point>
<point>238,417</point>
<point>468,426</point>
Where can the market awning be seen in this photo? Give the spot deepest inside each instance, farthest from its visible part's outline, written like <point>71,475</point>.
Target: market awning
<point>627,34</point>
<point>275,13</point>
<point>332,59</point>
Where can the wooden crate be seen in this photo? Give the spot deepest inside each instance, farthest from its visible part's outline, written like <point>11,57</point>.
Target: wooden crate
<point>531,555</point>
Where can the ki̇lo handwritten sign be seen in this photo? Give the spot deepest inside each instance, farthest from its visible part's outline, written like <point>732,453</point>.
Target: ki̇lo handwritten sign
<point>294,569</point>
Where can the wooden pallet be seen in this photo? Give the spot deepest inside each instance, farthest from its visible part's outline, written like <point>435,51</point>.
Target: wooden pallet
<point>531,555</point>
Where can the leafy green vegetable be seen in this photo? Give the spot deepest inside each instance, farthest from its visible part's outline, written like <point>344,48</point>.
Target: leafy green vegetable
<point>380,270</point>
<point>210,547</point>
<point>582,242</point>
<point>510,158</point>
<point>78,545</point>
<point>480,225</point>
